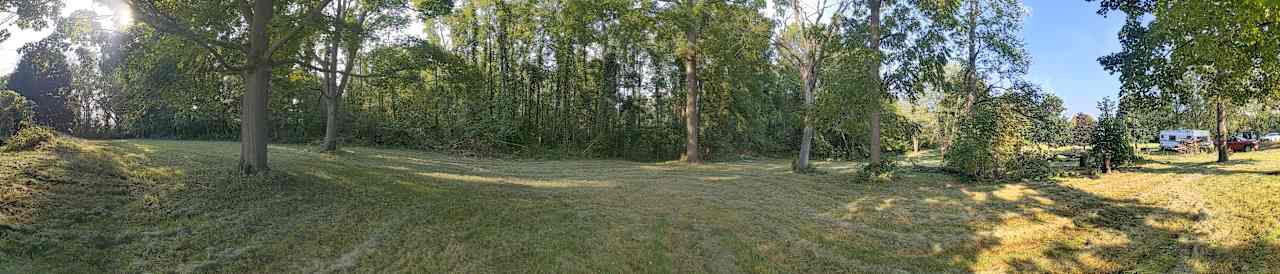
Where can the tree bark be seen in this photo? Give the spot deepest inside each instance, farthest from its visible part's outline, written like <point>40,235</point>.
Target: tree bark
<point>332,107</point>
<point>875,89</point>
<point>971,70</point>
<point>253,112</point>
<point>915,143</point>
<point>692,86</point>
<point>808,75</point>
<point>1221,139</point>
<point>336,81</point>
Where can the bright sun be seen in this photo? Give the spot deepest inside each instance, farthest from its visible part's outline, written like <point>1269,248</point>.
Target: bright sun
<point>123,17</point>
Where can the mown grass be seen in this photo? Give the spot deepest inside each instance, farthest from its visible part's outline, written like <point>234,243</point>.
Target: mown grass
<point>139,206</point>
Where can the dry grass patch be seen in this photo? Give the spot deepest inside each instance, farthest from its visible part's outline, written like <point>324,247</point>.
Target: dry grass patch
<point>166,206</point>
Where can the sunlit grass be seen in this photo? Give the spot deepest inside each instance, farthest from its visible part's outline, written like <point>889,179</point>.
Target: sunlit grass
<point>170,206</point>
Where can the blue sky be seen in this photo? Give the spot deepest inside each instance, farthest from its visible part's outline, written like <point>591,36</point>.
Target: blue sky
<point>1065,39</point>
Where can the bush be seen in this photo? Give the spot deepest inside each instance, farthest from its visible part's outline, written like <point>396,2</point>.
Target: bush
<point>990,145</point>
<point>1034,164</point>
<point>30,138</point>
<point>15,112</point>
<point>882,171</point>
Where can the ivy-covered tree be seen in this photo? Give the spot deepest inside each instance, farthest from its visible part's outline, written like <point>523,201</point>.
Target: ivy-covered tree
<point>989,144</point>
<point>1112,143</point>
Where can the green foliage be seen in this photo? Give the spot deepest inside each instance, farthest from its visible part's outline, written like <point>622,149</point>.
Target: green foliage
<point>990,145</point>
<point>1082,128</point>
<point>30,138</point>
<point>43,75</point>
<point>28,14</point>
<point>877,172</point>
<point>1177,55</point>
<point>16,112</point>
<point>1034,163</point>
<point>1112,143</point>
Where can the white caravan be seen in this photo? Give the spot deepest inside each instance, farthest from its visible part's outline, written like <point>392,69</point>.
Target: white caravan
<point>1173,139</point>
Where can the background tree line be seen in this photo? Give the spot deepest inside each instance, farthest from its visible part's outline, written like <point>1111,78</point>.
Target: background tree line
<point>631,79</point>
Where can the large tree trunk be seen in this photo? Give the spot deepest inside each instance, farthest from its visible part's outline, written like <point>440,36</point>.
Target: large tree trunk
<point>253,111</point>
<point>691,112</point>
<point>1221,139</point>
<point>875,89</point>
<point>808,75</point>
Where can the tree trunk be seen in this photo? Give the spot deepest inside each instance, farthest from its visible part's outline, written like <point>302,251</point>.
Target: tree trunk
<point>332,107</point>
<point>331,91</point>
<point>915,144</point>
<point>875,89</point>
<point>971,70</point>
<point>691,112</point>
<point>254,133</point>
<point>808,75</point>
<point>1221,139</point>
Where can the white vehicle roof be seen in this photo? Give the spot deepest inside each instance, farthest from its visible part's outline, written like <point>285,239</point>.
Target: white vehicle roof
<point>1185,132</point>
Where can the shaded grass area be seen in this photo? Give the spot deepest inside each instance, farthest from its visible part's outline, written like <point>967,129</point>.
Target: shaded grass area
<point>165,206</point>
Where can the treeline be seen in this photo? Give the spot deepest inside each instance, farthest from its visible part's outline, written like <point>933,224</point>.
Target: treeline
<point>616,78</point>
<point>632,79</point>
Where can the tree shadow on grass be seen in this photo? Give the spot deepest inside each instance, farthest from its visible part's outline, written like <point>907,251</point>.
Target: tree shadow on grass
<point>1145,238</point>
<point>1034,227</point>
<point>1238,166</point>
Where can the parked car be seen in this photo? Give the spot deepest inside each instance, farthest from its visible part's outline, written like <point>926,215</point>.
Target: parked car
<point>1242,144</point>
<point>1270,138</point>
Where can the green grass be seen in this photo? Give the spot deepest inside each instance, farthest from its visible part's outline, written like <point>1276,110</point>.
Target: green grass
<point>138,206</point>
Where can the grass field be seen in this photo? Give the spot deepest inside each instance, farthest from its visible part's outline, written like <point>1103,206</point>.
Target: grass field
<point>138,206</point>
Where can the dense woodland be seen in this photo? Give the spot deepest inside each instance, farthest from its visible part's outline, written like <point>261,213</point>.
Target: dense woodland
<point>644,80</point>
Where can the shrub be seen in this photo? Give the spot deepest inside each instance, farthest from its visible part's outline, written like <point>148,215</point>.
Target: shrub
<point>30,138</point>
<point>882,171</point>
<point>1034,164</point>
<point>15,112</point>
<point>990,144</point>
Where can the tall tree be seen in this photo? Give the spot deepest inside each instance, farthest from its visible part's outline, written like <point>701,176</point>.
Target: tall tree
<point>690,16</point>
<point>876,85</point>
<point>898,51</point>
<point>44,76</point>
<point>988,35</point>
<point>246,44</point>
<point>351,25</point>
<point>804,45</point>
